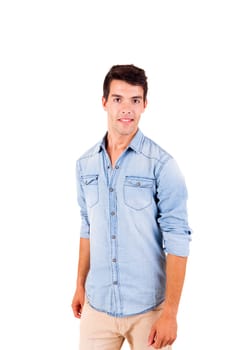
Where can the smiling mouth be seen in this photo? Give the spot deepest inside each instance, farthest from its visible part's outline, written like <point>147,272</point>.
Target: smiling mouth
<point>125,120</point>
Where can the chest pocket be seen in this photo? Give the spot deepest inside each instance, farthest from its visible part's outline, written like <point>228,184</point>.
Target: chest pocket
<point>138,192</point>
<point>91,189</point>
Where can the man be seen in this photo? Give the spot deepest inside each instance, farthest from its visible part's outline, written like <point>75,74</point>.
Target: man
<point>135,235</point>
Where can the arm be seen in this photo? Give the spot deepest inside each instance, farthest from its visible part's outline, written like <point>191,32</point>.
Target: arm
<point>163,331</point>
<point>172,219</point>
<point>83,268</point>
<point>84,249</point>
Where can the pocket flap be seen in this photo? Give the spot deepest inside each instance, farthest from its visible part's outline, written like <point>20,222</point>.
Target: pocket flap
<point>139,182</point>
<point>90,179</point>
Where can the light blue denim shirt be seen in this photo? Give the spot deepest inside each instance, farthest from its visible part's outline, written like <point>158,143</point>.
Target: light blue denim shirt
<point>133,215</point>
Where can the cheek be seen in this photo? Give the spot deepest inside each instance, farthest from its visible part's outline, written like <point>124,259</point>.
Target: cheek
<point>139,111</point>
<point>112,113</point>
<point>114,110</point>
<point>142,110</point>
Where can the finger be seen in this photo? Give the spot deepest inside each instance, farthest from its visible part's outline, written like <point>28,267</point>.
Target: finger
<point>76,310</point>
<point>80,310</point>
<point>162,342</point>
<point>157,342</point>
<point>151,337</point>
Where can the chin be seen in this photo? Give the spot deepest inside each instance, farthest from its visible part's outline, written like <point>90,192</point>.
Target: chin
<point>128,132</point>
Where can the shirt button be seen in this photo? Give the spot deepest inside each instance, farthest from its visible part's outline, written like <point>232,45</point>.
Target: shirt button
<point>114,260</point>
<point>112,213</point>
<point>138,184</point>
<point>117,166</point>
<point>113,237</point>
<point>115,282</point>
<point>111,189</point>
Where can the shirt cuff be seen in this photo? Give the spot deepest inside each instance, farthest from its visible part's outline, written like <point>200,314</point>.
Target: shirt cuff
<point>84,235</point>
<point>177,244</point>
<point>85,229</point>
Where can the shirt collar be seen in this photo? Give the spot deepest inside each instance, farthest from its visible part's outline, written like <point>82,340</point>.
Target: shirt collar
<point>135,144</point>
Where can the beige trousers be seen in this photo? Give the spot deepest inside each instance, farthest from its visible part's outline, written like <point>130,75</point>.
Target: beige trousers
<point>99,331</point>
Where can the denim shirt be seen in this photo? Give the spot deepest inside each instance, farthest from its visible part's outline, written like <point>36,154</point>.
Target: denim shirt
<point>133,215</point>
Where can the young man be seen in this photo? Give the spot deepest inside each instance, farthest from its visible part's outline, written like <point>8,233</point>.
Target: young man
<point>135,235</point>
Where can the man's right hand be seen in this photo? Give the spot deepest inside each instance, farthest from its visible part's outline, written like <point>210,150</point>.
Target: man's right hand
<point>78,302</point>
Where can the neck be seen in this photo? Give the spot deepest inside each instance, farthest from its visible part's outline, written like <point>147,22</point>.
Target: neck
<point>118,142</point>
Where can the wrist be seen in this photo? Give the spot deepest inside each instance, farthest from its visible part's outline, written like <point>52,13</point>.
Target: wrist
<point>80,284</point>
<point>170,310</point>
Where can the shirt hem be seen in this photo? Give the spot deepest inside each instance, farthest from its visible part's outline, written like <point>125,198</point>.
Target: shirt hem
<point>120,315</point>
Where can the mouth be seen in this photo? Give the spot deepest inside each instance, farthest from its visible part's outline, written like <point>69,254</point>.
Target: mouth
<point>125,120</point>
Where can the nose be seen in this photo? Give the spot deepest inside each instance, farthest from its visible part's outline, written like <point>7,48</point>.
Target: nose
<point>126,109</point>
<point>126,112</point>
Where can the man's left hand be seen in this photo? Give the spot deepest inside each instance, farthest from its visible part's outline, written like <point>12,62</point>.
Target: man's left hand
<point>163,331</point>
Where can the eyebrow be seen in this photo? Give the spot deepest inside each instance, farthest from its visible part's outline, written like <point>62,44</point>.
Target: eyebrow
<point>133,97</point>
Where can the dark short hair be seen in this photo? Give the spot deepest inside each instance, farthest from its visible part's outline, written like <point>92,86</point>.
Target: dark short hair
<point>128,73</point>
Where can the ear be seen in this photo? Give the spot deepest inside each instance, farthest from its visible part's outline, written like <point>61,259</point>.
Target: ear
<point>104,101</point>
<point>145,105</point>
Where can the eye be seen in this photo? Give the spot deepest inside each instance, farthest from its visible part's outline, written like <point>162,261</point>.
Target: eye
<point>117,99</point>
<point>136,100</point>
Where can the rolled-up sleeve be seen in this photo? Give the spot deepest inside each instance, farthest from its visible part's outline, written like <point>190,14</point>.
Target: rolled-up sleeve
<point>85,225</point>
<point>172,206</point>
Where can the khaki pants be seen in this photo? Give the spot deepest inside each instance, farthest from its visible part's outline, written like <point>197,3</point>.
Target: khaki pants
<point>99,331</point>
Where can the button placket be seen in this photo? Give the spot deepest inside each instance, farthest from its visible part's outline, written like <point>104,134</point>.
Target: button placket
<point>113,236</point>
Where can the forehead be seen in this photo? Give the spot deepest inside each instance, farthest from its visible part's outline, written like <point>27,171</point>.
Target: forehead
<point>121,88</point>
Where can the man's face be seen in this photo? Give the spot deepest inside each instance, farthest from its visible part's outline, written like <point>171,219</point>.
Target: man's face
<point>124,107</point>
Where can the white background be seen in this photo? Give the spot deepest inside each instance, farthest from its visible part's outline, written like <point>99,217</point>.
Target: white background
<point>54,56</point>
